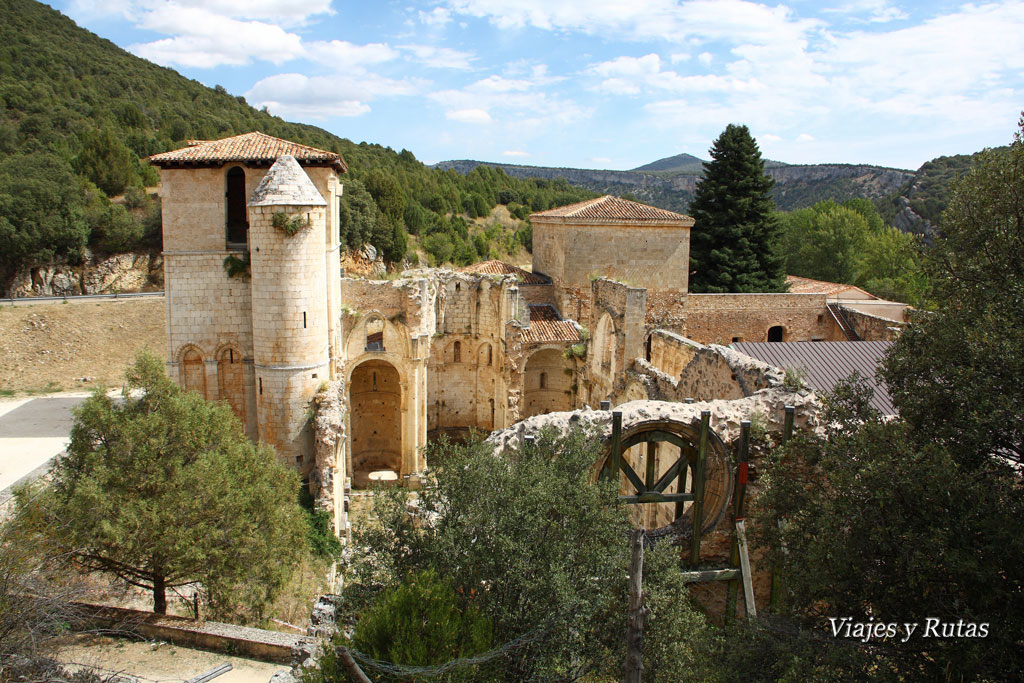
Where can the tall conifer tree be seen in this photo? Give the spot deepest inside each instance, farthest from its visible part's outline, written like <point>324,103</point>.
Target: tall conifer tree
<point>733,244</point>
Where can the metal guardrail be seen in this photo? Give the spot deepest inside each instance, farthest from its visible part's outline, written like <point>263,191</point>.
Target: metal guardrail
<point>76,297</point>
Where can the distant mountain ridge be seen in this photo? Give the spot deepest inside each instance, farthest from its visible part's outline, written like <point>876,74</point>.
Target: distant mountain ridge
<point>670,187</point>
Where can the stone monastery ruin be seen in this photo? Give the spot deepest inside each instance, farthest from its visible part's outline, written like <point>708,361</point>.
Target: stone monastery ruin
<point>348,378</point>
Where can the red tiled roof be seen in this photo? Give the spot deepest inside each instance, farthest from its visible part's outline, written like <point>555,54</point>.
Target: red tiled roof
<point>825,363</point>
<point>546,326</point>
<point>614,209</point>
<point>502,268</point>
<point>252,147</point>
<point>805,285</point>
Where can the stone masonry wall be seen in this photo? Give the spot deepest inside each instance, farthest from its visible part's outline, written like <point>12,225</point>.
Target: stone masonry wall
<point>724,318</point>
<point>656,257</point>
<point>872,327</point>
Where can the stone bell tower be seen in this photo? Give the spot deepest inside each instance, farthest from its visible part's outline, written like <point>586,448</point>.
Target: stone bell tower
<point>290,312</point>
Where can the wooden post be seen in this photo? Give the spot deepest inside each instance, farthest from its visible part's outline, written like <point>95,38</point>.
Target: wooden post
<point>741,492</point>
<point>698,487</point>
<point>637,614</point>
<point>748,581</point>
<point>615,457</point>
<point>776,593</point>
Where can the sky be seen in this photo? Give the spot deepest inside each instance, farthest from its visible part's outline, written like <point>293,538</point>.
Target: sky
<point>604,83</point>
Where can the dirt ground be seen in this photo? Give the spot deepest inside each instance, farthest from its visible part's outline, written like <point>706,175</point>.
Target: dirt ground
<point>158,661</point>
<point>51,347</point>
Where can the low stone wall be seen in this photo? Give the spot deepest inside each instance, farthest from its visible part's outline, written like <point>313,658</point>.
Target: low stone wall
<point>724,318</point>
<point>872,327</point>
<point>711,372</point>
<point>267,646</point>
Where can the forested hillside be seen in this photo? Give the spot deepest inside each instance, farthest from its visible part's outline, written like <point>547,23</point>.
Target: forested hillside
<point>78,116</point>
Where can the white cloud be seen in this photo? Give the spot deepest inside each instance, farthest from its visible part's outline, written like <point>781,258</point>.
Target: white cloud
<point>805,137</point>
<point>669,20</point>
<point>347,55</point>
<point>199,40</point>
<point>439,16</point>
<point>705,58</point>
<point>521,105</point>
<point>600,160</point>
<point>515,153</point>
<point>440,57</point>
<point>476,116</point>
<point>320,97</point>
<point>210,33</point>
<point>874,11</point>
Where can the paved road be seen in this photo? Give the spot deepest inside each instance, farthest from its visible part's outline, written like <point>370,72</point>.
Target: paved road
<point>32,431</point>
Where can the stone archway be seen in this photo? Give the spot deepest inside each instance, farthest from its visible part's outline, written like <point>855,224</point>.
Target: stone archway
<point>193,371</point>
<point>375,405</point>
<point>547,383</point>
<point>231,380</point>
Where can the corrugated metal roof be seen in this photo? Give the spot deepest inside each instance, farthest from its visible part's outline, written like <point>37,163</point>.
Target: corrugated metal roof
<point>253,147</point>
<point>825,363</point>
<point>502,268</point>
<point>609,208</point>
<point>546,326</point>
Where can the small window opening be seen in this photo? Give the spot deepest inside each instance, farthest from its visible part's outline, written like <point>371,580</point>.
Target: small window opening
<point>490,355</point>
<point>737,339</point>
<point>543,380</point>
<point>237,216</point>
<point>261,386</point>
<point>458,286</point>
<point>375,381</point>
<point>775,333</point>
<point>457,351</point>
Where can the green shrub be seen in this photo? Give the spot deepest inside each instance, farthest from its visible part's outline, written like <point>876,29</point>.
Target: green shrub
<point>423,621</point>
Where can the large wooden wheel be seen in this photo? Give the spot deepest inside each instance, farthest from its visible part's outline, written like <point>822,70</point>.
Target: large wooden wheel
<point>663,472</point>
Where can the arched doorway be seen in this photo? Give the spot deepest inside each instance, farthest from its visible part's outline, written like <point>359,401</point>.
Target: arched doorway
<point>231,381</point>
<point>547,383</point>
<point>193,373</point>
<point>775,333</point>
<point>375,404</point>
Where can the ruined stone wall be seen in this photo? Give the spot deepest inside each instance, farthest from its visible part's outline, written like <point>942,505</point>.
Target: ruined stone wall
<point>466,372</point>
<point>534,295</point>
<point>548,382</point>
<point>872,327</point>
<point>712,372</point>
<point>670,352</point>
<point>652,256</point>
<point>724,318</point>
<point>617,334</point>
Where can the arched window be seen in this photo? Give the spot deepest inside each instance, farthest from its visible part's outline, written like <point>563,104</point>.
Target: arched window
<point>775,333</point>
<point>457,352</point>
<point>193,372</point>
<point>375,335</point>
<point>237,217</point>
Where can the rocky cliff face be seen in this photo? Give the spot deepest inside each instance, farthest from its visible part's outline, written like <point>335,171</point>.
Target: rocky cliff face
<point>130,272</point>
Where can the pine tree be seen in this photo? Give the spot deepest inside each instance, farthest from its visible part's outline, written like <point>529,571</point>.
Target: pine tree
<point>733,241</point>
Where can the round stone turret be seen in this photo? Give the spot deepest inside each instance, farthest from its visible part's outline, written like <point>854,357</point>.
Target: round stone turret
<point>288,245</point>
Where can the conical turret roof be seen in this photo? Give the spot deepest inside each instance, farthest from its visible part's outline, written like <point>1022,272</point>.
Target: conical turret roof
<point>286,184</point>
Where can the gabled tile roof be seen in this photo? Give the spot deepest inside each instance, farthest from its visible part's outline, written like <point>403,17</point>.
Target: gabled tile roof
<point>613,209</point>
<point>252,147</point>
<point>805,285</point>
<point>502,268</point>
<point>546,326</point>
<point>825,363</point>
